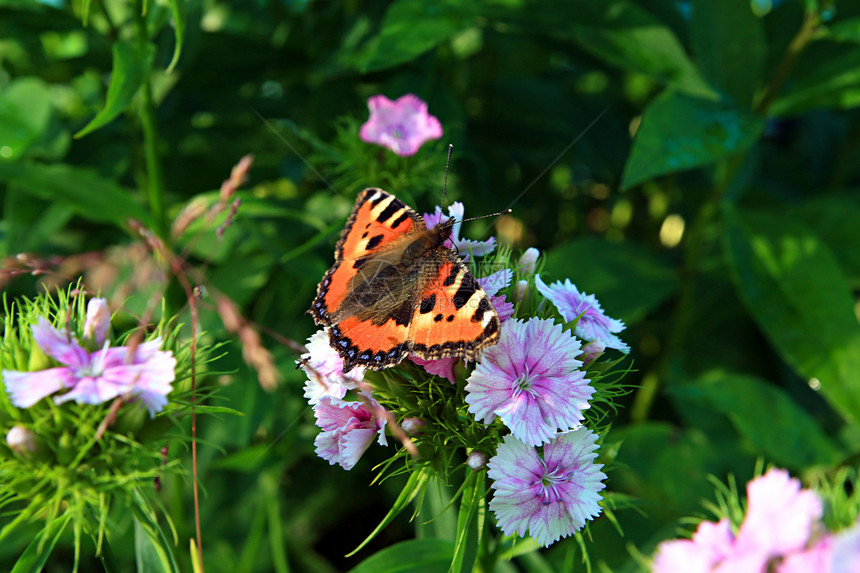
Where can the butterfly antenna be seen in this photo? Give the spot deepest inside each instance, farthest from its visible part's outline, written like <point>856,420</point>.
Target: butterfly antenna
<point>447,165</point>
<point>505,212</point>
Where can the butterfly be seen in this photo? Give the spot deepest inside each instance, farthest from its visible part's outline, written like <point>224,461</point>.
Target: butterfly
<point>396,289</point>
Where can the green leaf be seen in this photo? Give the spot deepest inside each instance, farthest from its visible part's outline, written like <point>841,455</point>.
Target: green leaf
<point>131,66</point>
<point>847,30</point>
<point>82,190</point>
<point>795,290</point>
<point>25,113</point>
<point>623,34</point>
<point>37,552</point>
<point>153,552</point>
<point>417,481</point>
<point>412,27</point>
<point>679,132</point>
<point>827,74</point>
<point>834,219</point>
<point>426,555</point>
<point>146,556</point>
<point>728,41</point>
<point>629,280</point>
<point>767,417</point>
<point>468,531</point>
<point>177,8</point>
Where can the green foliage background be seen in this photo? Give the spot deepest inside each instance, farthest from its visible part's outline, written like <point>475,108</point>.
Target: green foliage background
<point>604,125</point>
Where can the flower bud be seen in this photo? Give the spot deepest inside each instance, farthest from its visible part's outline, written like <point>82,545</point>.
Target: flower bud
<point>522,290</point>
<point>412,426</point>
<point>22,441</point>
<point>476,461</point>
<point>98,320</point>
<point>526,264</point>
<point>592,351</point>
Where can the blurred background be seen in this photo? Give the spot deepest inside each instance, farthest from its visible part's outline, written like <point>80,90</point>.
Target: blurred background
<point>695,164</point>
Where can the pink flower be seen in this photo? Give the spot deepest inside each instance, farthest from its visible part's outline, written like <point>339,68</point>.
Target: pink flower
<point>442,367</point>
<point>779,522</point>
<point>324,368</point>
<point>93,378</point>
<point>593,324</point>
<point>348,429</point>
<point>465,247</point>
<point>97,321</point>
<point>550,496</point>
<point>402,125</point>
<point>817,558</point>
<point>711,543</point>
<point>531,380</point>
<point>592,351</point>
<point>845,557</point>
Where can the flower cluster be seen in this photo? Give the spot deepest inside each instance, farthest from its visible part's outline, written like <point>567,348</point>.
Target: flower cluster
<point>782,532</point>
<point>519,412</point>
<point>140,372</point>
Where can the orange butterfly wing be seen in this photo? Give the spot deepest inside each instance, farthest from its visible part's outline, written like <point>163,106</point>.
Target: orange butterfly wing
<point>377,219</point>
<point>454,316</point>
<point>448,314</point>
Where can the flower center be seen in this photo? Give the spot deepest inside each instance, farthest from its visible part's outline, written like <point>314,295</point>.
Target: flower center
<point>550,482</point>
<point>523,384</point>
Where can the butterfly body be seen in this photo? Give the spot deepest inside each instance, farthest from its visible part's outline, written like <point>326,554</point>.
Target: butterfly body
<point>395,289</point>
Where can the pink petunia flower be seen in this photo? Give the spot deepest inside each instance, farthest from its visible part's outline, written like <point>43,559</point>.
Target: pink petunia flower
<point>593,324</point>
<point>324,368</point>
<point>531,380</point>
<point>465,247</point>
<point>402,125</point>
<point>93,378</point>
<point>550,496</point>
<point>348,429</point>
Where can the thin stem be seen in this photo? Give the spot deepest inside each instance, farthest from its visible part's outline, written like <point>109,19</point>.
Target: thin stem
<point>798,43</point>
<point>154,177</point>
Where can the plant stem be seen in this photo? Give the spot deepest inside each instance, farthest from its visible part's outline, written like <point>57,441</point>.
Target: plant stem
<point>154,177</point>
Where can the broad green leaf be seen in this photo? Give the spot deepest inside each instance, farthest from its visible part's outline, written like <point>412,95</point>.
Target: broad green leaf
<point>798,295</point>
<point>680,132</point>
<point>131,66</point>
<point>177,8</point>
<point>32,225</point>
<point>766,416</point>
<point>37,552</point>
<point>827,74</point>
<point>847,30</point>
<point>834,219</point>
<point>425,555</point>
<point>25,113</point>
<point>153,552</point>
<point>468,533</point>
<point>728,41</point>
<point>82,190</point>
<point>412,27</point>
<point>629,280</point>
<point>623,34</point>
<point>414,486</point>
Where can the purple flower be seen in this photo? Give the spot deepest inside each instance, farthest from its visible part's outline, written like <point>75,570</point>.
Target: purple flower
<point>93,378</point>
<point>550,496</point>
<point>817,558</point>
<point>348,429</point>
<point>593,324</point>
<point>402,125</point>
<point>845,557</point>
<point>324,368</point>
<point>492,284</point>
<point>531,380</point>
<point>779,522</point>
<point>592,351</point>
<point>464,247</point>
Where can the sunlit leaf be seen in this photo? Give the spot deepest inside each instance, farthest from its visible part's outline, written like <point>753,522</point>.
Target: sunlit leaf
<point>798,295</point>
<point>25,112</point>
<point>679,132</point>
<point>426,555</point>
<point>131,66</point>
